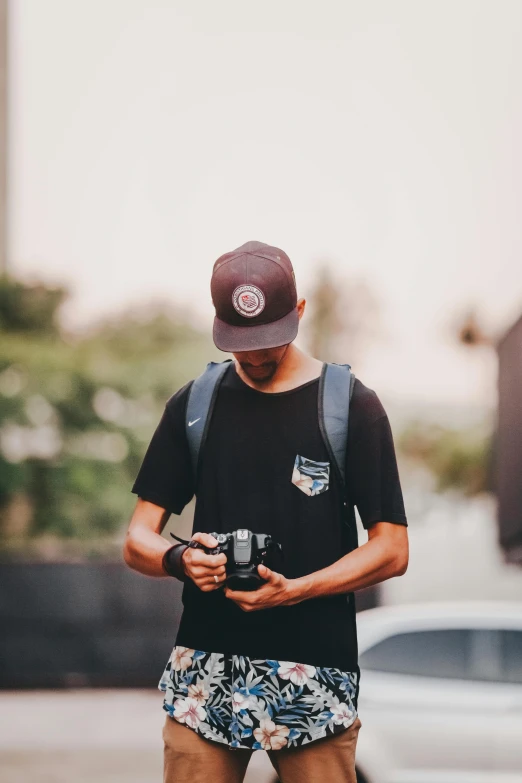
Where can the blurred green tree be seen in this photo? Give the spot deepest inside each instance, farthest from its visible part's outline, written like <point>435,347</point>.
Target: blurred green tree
<point>77,411</point>
<point>459,459</point>
<point>343,316</point>
<point>29,307</point>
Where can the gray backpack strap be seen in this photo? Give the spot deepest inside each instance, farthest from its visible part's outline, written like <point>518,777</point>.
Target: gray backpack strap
<point>335,392</point>
<point>200,403</point>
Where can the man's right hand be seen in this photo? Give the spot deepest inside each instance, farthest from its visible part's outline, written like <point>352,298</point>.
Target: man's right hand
<point>202,568</point>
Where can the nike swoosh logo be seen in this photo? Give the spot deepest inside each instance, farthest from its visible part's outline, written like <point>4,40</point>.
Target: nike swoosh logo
<point>193,422</point>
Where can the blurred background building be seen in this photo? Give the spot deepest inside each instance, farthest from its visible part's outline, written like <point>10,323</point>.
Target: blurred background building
<point>509,443</point>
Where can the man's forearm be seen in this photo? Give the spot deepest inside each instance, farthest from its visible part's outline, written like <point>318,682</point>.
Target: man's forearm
<point>369,564</point>
<point>144,551</point>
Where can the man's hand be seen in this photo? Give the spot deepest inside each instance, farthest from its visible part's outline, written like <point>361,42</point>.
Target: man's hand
<point>278,591</point>
<point>202,568</point>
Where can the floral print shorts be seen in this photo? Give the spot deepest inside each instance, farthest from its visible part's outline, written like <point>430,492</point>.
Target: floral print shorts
<point>256,704</point>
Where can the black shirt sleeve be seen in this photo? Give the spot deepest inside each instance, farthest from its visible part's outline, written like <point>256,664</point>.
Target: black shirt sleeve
<point>371,464</point>
<point>165,476</point>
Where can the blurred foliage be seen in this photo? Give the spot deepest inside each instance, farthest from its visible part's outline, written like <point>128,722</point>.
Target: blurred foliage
<point>459,459</point>
<point>343,316</point>
<point>77,412</point>
<point>469,329</point>
<point>29,308</point>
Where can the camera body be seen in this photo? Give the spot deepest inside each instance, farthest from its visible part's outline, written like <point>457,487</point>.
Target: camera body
<point>245,551</point>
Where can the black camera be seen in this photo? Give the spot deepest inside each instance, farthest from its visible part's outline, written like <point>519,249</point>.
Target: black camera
<point>245,551</point>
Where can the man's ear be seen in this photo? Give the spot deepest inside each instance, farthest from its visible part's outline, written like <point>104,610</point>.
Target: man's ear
<point>301,304</point>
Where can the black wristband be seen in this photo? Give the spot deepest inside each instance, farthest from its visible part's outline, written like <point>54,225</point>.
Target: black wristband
<point>172,564</point>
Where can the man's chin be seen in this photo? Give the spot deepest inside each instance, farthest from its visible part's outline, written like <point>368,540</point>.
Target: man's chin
<point>260,374</point>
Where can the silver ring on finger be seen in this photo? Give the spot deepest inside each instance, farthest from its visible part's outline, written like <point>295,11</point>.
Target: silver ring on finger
<point>216,579</point>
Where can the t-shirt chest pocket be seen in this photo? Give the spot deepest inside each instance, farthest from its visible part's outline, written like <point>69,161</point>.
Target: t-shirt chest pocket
<point>311,476</point>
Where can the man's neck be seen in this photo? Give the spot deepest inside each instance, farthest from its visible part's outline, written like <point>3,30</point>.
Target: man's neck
<point>294,369</point>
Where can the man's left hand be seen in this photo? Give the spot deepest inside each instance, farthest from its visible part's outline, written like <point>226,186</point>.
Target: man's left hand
<point>277,591</point>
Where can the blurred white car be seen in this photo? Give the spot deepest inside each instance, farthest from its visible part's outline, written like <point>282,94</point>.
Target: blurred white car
<point>441,693</point>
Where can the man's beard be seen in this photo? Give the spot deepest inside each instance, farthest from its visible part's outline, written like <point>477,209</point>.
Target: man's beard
<point>262,372</point>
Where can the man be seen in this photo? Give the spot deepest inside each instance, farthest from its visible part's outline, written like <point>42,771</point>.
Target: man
<point>275,668</point>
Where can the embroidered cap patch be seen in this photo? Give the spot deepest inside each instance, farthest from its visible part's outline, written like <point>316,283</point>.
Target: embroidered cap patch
<point>248,300</point>
<point>312,477</point>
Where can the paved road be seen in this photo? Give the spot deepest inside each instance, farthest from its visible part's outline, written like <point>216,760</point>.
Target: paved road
<point>80,735</point>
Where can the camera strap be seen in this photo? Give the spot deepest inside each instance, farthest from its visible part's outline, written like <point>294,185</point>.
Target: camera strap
<point>181,540</point>
<point>191,544</point>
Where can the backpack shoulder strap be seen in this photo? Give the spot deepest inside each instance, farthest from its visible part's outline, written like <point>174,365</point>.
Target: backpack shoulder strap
<point>200,404</point>
<point>335,392</point>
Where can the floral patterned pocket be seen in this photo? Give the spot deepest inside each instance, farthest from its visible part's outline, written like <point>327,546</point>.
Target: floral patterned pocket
<point>310,476</point>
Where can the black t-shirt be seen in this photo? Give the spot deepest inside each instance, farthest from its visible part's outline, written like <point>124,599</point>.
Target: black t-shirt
<point>265,467</point>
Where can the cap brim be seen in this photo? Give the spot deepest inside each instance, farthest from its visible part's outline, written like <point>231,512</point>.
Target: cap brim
<point>255,338</point>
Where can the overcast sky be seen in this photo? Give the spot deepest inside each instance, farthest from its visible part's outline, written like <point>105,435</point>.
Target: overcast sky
<point>148,138</point>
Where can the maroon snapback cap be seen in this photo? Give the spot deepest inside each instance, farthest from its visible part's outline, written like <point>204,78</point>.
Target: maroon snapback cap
<point>254,293</point>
